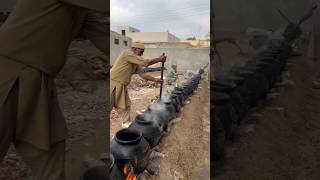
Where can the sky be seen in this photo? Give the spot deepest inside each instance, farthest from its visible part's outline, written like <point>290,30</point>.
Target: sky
<point>183,18</point>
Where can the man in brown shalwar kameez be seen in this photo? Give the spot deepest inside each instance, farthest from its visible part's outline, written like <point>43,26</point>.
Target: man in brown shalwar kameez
<point>33,46</point>
<point>128,63</point>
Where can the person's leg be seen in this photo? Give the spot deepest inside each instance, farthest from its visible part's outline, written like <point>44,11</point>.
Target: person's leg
<point>8,113</point>
<point>112,99</point>
<point>125,116</point>
<point>46,165</point>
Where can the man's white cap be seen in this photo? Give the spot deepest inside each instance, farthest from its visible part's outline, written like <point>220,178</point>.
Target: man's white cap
<point>137,45</point>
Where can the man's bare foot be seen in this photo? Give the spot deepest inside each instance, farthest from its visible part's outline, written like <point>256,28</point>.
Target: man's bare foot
<point>126,124</point>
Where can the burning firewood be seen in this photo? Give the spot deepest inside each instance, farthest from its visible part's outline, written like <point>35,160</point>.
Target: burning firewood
<point>129,173</point>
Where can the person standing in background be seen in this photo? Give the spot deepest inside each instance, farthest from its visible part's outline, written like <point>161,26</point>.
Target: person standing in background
<point>172,75</point>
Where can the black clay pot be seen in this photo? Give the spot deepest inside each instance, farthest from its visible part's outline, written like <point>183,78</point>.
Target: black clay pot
<point>237,95</point>
<point>238,81</point>
<point>187,90</point>
<point>177,102</point>
<point>267,68</point>
<point>225,112</point>
<point>115,172</point>
<point>244,90</point>
<point>201,71</point>
<point>223,86</point>
<point>292,32</point>
<point>169,104</point>
<point>256,84</point>
<point>130,147</point>
<point>194,83</point>
<point>150,129</point>
<point>159,113</point>
<point>261,83</point>
<point>217,139</point>
<point>188,87</point>
<point>179,88</point>
<point>273,71</point>
<point>95,173</point>
<point>243,73</point>
<point>218,98</point>
<point>160,117</point>
<point>182,97</point>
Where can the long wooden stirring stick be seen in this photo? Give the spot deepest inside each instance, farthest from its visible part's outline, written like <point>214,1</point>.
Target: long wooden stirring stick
<point>161,79</point>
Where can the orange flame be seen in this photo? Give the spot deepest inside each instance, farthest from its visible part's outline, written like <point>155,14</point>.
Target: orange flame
<point>128,173</point>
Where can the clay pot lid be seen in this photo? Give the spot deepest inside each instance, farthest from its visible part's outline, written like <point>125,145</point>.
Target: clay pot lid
<point>140,119</point>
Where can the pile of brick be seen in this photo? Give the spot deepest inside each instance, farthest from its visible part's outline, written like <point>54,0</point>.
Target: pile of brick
<point>137,82</point>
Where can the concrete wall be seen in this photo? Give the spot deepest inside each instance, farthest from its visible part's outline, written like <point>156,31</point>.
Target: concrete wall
<point>237,15</point>
<point>116,49</point>
<point>172,38</point>
<point>148,36</point>
<point>137,35</point>
<point>185,58</point>
<point>127,29</point>
<point>168,45</point>
<point>152,37</point>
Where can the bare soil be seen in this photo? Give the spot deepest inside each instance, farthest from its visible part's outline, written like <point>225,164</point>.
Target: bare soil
<point>281,140</point>
<point>186,148</point>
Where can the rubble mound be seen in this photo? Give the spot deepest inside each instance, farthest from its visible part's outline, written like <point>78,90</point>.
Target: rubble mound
<point>137,82</point>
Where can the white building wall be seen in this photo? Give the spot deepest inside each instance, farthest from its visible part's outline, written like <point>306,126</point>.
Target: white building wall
<point>147,37</point>
<point>127,29</point>
<point>172,38</point>
<point>116,49</point>
<point>185,58</point>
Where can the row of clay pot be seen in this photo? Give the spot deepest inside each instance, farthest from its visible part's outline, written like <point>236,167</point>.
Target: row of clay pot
<point>235,93</point>
<point>133,145</point>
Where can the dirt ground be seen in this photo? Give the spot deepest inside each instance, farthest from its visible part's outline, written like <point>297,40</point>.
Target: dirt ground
<point>281,140</point>
<point>186,148</point>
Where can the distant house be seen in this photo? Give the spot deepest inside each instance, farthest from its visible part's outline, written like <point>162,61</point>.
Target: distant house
<point>147,37</point>
<point>198,43</point>
<point>118,43</point>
